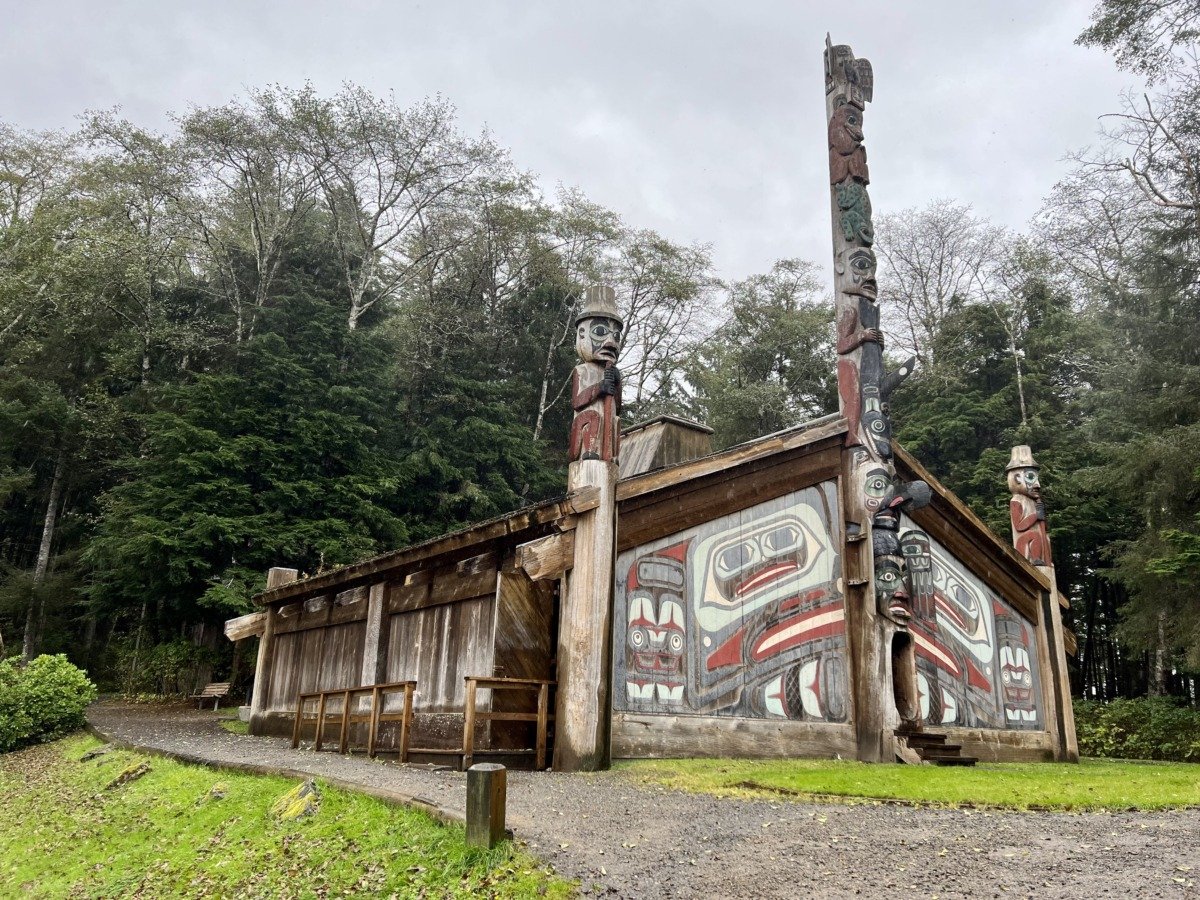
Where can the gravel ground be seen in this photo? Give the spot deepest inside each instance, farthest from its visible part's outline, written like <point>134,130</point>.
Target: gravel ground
<point>624,839</point>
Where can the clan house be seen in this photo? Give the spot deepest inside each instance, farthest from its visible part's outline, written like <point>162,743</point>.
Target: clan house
<point>810,593</point>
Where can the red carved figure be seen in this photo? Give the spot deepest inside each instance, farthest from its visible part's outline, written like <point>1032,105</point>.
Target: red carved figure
<point>847,156</point>
<point>1026,508</point>
<point>596,381</point>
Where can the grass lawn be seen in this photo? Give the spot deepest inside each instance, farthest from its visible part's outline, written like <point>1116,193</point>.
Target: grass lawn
<point>237,726</point>
<point>168,834</point>
<point>1093,784</point>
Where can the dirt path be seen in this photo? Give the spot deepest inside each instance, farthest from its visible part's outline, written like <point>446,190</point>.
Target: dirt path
<point>628,840</point>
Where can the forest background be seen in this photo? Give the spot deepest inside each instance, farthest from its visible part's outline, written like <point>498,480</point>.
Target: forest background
<point>302,329</point>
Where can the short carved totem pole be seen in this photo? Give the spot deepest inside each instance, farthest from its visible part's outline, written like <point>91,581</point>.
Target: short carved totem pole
<point>583,714</point>
<point>1026,508</point>
<point>1028,514</point>
<point>596,381</point>
<point>879,601</point>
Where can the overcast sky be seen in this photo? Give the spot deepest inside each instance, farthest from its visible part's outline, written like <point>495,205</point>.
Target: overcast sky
<point>703,120</point>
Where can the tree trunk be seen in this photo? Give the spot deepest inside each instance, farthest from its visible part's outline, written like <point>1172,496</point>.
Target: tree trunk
<point>1158,684</point>
<point>35,613</point>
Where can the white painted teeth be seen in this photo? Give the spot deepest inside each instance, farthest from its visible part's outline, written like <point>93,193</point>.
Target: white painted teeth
<point>809,698</point>
<point>670,693</point>
<point>637,691</point>
<point>949,708</point>
<point>773,697</point>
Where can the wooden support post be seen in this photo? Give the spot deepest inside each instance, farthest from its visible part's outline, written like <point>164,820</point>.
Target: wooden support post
<point>373,728</point>
<point>344,732</point>
<point>296,724</point>
<point>406,722</point>
<point>469,725</point>
<point>583,713</point>
<point>318,738</point>
<point>486,798</point>
<point>1067,747</point>
<point>543,715</point>
<point>276,577</point>
<point>374,659</point>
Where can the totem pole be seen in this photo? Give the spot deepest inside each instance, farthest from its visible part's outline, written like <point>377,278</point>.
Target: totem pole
<point>582,712</point>
<point>878,597</point>
<point>1026,508</point>
<point>596,381</point>
<point>1028,514</point>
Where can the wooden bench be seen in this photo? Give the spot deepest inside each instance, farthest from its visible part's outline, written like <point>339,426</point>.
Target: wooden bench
<point>216,691</point>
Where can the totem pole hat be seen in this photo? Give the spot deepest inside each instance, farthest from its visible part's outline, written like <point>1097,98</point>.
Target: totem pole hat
<point>599,302</point>
<point>1022,458</point>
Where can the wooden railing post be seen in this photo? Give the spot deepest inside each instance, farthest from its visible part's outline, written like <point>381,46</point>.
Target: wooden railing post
<point>469,725</point>
<point>406,722</point>
<point>543,715</point>
<point>319,737</point>
<point>296,724</point>
<point>373,727</point>
<point>344,733</point>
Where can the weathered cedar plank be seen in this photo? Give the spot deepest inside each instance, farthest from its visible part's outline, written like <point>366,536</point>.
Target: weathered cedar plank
<point>547,557</point>
<point>674,737</point>
<point>245,626</point>
<point>677,510</point>
<point>721,462</point>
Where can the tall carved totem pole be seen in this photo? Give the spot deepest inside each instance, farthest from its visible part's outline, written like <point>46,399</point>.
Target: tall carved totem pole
<point>582,712</point>
<point>877,583</point>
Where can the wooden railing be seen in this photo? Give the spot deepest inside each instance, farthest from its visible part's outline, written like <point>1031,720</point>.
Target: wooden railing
<point>542,717</point>
<point>472,714</point>
<point>373,716</point>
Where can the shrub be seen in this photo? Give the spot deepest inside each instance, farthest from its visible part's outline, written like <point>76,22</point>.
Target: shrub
<point>41,701</point>
<point>1142,728</point>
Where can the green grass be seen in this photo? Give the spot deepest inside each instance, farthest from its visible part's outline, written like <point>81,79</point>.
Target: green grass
<point>1093,784</point>
<point>236,726</point>
<point>62,833</point>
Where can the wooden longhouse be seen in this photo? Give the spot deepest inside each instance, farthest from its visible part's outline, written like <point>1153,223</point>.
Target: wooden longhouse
<point>728,634</point>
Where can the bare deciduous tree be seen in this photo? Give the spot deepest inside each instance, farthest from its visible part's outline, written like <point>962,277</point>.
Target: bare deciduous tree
<point>929,260</point>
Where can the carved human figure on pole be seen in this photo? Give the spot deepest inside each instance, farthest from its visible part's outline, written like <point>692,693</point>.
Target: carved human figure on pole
<point>1026,508</point>
<point>596,381</point>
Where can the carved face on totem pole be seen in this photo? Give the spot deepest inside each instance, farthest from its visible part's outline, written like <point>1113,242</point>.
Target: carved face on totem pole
<point>876,484</point>
<point>859,263</point>
<point>598,339</point>
<point>892,598</point>
<point>1025,481</point>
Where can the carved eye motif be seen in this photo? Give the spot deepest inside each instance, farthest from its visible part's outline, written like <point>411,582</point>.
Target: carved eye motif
<point>878,426</point>
<point>676,643</point>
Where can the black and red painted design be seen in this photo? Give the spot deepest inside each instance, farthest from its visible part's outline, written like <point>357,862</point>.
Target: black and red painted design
<point>974,667</point>
<point>753,598</point>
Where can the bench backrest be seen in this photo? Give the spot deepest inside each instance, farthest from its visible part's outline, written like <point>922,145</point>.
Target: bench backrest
<point>215,689</point>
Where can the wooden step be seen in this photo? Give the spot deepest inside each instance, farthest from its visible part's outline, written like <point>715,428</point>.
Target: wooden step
<point>954,761</point>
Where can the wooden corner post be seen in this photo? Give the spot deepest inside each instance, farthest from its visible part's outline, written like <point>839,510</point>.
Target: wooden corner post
<point>276,577</point>
<point>1028,515</point>
<point>583,710</point>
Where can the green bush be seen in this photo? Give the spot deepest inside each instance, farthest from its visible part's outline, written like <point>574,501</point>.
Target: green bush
<point>41,701</point>
<point>1144,728</point>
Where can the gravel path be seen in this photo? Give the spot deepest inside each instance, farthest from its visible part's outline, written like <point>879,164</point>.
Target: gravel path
<point>628,840</point>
